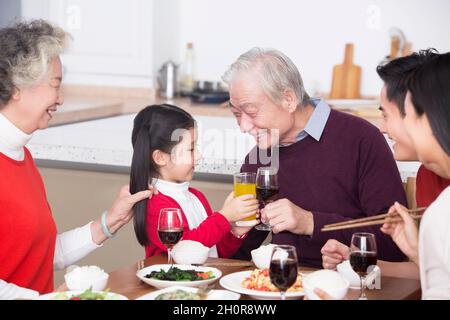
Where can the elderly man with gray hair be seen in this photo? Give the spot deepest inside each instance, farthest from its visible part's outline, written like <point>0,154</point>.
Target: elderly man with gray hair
<point>332,166</point>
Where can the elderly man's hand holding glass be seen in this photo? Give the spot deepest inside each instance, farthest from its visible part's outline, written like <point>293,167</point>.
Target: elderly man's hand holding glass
<point>283,215</point>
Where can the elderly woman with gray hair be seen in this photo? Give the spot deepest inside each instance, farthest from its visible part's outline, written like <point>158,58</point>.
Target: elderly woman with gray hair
<point>332,166</point>
<point>30,92</point>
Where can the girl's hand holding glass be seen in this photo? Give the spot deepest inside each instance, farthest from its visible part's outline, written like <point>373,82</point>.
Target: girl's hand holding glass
<point>239,208</point>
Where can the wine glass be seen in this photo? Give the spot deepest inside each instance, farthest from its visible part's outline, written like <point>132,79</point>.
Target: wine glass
<point>266,190</point>
<point>363,257</point>
<point>170,228</point>
<point>283,268</point>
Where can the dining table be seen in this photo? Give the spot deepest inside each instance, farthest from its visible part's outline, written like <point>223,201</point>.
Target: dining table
<point>125,282</point>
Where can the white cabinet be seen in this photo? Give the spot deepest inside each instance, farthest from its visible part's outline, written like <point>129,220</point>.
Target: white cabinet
<point>112,39</point>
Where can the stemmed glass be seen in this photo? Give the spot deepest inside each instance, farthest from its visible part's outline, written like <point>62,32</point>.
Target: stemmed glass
<point>363,257</point>
<point>170,228</point>
<point>266,190</point>
<point>283,268</point>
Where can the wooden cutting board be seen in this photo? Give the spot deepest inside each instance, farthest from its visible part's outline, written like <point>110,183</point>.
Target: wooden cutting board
<point>346,77</point>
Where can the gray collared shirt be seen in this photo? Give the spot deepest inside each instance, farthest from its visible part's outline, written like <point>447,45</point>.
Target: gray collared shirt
<point>316,123</point>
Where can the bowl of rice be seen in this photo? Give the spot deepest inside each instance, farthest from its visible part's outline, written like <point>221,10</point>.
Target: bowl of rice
<point>329,281</point>
<point>86,277</point>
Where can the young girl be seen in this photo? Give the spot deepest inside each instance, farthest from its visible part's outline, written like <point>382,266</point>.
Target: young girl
<point>165,153</point>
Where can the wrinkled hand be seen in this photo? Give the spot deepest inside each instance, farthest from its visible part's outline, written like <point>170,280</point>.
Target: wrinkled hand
<point>404,233</point>
<point>236,209</point>
<point>333,253</point>
<point>283,215</point>
<point>121,211</point>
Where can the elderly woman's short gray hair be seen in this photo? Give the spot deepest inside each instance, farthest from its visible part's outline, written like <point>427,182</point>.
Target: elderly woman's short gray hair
<point>276,72</point>
<point>26,50</point>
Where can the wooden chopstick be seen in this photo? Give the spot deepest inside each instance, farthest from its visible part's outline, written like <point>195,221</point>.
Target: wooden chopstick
<point>375,217</point>
<point>370,221</point>
<point>367,223</point>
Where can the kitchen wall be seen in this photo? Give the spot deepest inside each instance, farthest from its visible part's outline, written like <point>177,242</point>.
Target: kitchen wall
<point>113,39</point>
<point>312,33</point>
<point>120,42</point>
<point>9,10</point>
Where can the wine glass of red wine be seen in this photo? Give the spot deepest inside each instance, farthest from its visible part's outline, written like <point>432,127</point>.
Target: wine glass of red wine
<point>170,229</point>
<point>266,190</point>
<point>363,257</point>
<point>283,268</point>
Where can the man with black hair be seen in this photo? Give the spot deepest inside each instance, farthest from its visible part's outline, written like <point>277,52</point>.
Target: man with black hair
<point>395,75</point>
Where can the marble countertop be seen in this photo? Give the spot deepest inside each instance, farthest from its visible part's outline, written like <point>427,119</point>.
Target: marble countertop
<point>106,144</point>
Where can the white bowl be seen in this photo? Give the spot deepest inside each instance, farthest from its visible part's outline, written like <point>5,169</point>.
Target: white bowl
<point>190,252</point>
<point>262,255</point>
<point>329,281</point>
<point>83,278</point>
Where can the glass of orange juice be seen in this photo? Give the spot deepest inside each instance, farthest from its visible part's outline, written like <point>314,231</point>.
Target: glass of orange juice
<point>245,183</point>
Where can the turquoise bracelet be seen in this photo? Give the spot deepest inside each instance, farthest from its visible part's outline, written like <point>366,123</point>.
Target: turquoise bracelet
<point>105,228</point>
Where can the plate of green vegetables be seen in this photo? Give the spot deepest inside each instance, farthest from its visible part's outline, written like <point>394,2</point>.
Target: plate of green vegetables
<point>166,275</point>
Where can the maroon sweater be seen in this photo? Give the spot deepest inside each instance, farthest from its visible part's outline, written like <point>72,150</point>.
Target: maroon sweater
<point>350,173</point>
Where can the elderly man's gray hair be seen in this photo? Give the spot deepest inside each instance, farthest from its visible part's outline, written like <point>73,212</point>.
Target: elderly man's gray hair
<point>277,73</point>
<point>26,50</point>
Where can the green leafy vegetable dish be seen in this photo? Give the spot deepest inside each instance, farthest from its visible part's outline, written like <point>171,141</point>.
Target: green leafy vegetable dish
<point>176,274</point>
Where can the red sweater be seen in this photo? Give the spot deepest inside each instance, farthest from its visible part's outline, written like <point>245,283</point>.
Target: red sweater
<point>27,228</point>
<point>214,230</point>
<point>428,186</point>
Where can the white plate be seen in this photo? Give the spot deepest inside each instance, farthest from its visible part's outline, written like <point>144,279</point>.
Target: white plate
<point>212,295</point>
<point>233,282</point>
<point>160,284</point>
<point>53,295</point>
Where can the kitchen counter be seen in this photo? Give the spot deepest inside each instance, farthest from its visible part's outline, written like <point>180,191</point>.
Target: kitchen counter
<point>83,103</point>
<point>105,145</point>
<point>86,103</point>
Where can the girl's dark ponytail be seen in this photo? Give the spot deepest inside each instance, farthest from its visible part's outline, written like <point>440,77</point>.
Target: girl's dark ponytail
<point>139,178</point>
<point>153,128</point>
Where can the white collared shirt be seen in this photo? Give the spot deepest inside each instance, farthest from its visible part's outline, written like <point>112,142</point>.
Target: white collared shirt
<point>70,246</point>
<point>193,209</point>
